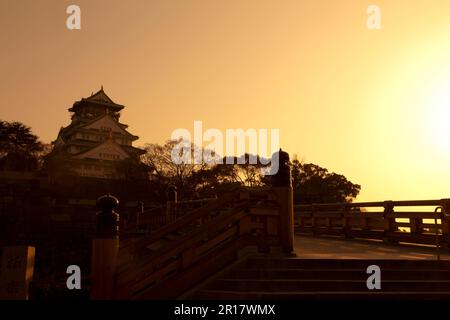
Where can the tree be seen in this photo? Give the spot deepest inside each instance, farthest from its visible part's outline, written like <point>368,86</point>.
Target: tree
<point>239,170</point>
<point>311,183</point>
<point>165,171</point>
<point>314,184</point>
<point>19,147</point>
<point>42,154</point>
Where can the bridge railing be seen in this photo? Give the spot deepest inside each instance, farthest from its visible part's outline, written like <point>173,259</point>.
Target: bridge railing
<point>173,258</point>
<point>156,217</point>
<point>390,221</point>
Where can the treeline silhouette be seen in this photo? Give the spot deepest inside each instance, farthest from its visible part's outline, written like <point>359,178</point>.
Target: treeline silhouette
<point>21,150</point>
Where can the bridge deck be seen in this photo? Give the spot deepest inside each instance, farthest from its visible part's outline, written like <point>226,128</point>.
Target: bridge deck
<point>309,247</point>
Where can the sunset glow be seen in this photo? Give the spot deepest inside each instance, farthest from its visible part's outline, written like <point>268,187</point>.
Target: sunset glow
<point>370,104</point>
<point>438,117</point>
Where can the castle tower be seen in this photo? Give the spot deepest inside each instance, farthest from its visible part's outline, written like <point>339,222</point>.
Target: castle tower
<point>95,144</point>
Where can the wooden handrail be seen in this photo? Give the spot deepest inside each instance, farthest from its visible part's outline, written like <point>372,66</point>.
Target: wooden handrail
<point>196,214</point>
<point>183,240</point>
<point>408,203</point>
<point>176,247</point>
<point>348,220</point>
<point>243,218</point>
<point>197,201</point>
<point>158,216</point>
<point>164,263</point>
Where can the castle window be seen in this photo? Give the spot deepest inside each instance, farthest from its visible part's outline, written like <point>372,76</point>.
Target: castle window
<point>109,156</point>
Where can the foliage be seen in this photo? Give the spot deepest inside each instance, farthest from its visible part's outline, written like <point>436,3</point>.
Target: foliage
<point>311,183</point>
<point>314,184</point>
<point>165,172</point>
<point>19,147</point>
<point>21,150</point>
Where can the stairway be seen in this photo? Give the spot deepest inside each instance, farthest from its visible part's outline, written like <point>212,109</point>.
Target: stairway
<point>294,278</point>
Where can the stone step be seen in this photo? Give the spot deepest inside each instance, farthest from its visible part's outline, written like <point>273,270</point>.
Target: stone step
<point>158,244</point>
<point>336,274</point>
<point>269,285</point>
<point>360,264</point>
<point>324,295</point>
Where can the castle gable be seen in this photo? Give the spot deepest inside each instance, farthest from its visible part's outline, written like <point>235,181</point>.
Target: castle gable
<point>109,150</point>
<point>106,123</point>
<point>100,96</point>
<point>97,100</point>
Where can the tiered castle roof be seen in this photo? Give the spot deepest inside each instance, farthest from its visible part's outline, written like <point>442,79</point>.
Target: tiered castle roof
<point>95,134</point>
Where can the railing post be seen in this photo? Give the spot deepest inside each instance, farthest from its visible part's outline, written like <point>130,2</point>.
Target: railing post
<point>105,248</point>
<point>171,205</point>
<point>388,227</point>
<point>416,225</point>
<point>313,219</point>
<point>345,225</point>
<point>445,221</point>
<point>282,186</point>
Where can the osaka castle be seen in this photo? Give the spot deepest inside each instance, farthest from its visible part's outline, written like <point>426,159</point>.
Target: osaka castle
<point>95,143</point>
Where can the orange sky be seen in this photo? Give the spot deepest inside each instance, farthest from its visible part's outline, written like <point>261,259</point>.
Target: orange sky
<point>372,105</point>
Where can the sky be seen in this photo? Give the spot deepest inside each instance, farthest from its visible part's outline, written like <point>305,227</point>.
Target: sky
<point>370,104</point>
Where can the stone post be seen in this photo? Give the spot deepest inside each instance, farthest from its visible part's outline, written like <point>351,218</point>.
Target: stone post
<point>105,248</point>
<point>282,186</point>
<point>171,205</point>
<point>389,221</point>
<point>17,266</point>
<point>139,213</point>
